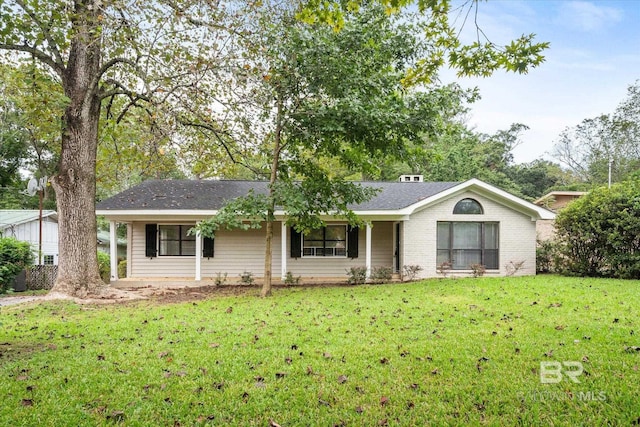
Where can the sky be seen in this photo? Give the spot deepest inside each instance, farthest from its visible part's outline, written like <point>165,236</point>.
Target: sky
<point>593,58</point>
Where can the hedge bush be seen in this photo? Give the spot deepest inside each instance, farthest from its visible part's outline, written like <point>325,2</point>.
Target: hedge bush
<point>122,269</point>
<point>104,266</point>
<point>15,256</point>
<point>599,234</point>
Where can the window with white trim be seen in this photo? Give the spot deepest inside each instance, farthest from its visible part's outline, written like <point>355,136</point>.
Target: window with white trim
<point>465,243</point>
<point>173,240</point>
<point>468,207</point>
<point>329,241</point>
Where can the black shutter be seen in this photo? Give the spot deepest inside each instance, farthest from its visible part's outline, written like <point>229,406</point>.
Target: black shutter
<point>296,244</point>
<point>207,247</point>
<point>352,242</point>
<point>151,240</point>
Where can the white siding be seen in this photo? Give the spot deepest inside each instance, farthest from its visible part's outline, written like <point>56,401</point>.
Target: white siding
<point>30,231</point>
<point>234,252</point>
<point>238,251</point>
<point>381,255</point>
<point>517,234</point>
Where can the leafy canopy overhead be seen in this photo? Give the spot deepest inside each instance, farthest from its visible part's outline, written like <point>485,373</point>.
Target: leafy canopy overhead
<point>479,58</point>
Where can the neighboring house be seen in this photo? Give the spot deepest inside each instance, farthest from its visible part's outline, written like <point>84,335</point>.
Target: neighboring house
<point>104,244</point>
<point>410,223</point>
<point>24,225</point>
<point>554,201</point>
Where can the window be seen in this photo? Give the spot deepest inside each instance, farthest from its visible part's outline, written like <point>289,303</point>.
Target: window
<point>466,243</point>
<point>468,207</point>
<point>328,241</point>
<point>174,241</point>
<point>47,260</point>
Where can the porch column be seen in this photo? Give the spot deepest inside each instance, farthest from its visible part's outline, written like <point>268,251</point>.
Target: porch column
<point>129,247</point>
<point>113,251</point>
<point>198,255</point>
<point>283,246</point>
<point>368,250</point>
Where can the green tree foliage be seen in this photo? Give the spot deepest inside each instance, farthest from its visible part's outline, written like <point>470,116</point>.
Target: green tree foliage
<point>14,257</point>
<point>599,234</point>
<point>134,147</point>
<point>327,95</point>
<point>457,153</point>
<point>588,148</point>
<point>30,107</point>
<point>480,58</point>
<point>538,177</point>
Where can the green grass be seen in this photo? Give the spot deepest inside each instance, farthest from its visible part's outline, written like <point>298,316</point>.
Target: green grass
<point>429,353</point>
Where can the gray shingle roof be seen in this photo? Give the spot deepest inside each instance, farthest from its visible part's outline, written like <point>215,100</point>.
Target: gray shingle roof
<point>212,194</point>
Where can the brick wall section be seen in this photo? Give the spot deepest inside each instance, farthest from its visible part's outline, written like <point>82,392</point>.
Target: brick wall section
<point>517,235</point>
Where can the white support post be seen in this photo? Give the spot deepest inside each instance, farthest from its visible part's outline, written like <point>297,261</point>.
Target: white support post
<point>283,245</point>
<point>198,256</point>
<point>368,250</point>
<point>129,247</point>
<point>113,251</point>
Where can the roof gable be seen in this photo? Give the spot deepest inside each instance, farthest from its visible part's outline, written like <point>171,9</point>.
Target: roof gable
<point>489,191</point>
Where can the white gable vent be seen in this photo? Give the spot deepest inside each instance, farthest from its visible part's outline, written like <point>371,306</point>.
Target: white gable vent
<point>411,178</point>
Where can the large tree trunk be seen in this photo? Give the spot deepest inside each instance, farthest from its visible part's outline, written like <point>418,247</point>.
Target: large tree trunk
<point>75,184</point>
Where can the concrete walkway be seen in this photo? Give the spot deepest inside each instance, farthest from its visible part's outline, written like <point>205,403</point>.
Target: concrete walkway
<point>4,301</point>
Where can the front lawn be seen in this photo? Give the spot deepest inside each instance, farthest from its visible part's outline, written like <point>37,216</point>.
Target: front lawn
<point>430,353</point>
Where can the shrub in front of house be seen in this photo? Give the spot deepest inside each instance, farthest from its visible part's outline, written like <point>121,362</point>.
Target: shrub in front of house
<point>104,266</point>
<point>548,257</point>
<point>122,269</point>
<point>598,234</point>
<point>357,275</point>
<point>381,274</point>
<point>15,256</point>
<point>291,280</point>
<point>410,272</point>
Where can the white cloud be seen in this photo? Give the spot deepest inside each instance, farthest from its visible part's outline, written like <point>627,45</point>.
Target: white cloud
<point>586,16</point>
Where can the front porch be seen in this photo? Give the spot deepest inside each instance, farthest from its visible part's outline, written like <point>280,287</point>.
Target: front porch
<point>240,251</point>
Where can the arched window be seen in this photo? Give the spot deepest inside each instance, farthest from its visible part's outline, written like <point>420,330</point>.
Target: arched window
<point>468,207</point>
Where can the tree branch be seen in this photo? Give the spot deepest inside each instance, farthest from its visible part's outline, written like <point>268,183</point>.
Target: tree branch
<point>215,132</point>
<point>111,63</point>
<point>197,22</point>
<point>38,54</point>
<point>45,31</point>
